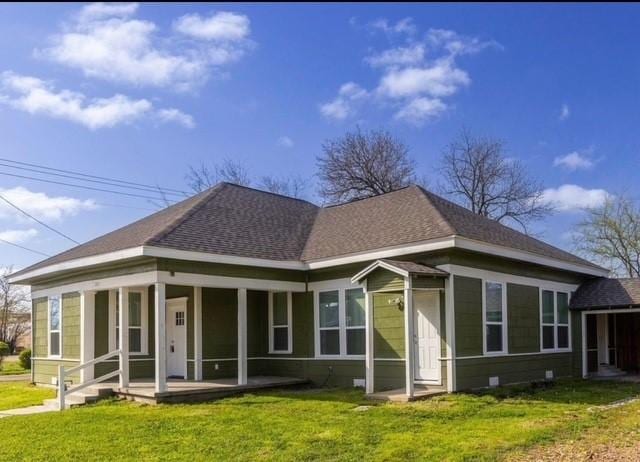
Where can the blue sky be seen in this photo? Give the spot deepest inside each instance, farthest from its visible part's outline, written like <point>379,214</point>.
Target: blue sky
<point>140,92</point>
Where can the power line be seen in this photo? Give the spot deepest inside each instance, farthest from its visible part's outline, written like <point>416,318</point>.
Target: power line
<point>82,175</point>
<point>60,233</point>
<point>24,248</point>
<point>122,193</point>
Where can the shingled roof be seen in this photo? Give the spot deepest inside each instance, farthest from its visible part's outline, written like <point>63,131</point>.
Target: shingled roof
<point>605,293</point>
<point>238,221</point>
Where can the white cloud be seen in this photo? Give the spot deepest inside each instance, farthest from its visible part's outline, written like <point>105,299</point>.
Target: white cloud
<point>418,110</point>
<point>565,112</point>
<point>175,115</point>
<point>416,77</point>
<point>101,10</point>
<point>403,26</point>
<point>285,142</point>
<point>570,197</point>
<point>36,96</point>
<point>574,161</point>
<point>222,26</point>
<point>41,205</point>
<point>105,42</point>
<point>344,105</point>
<point>16,236</point>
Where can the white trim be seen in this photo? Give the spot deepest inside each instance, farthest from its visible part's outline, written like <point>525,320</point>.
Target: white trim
<point>532,353</point>
<point>160,337</point>
<point>219,359</point>
<point>503,323</point>
<point>289,324</point>
<point>370,345</point>
<point>242,336</point>
<point>123,331</point>
<point>451,334</point>
<point>340,286</point>
<point>192,279</point>
<point>137,279</point>
<point>58,296</point>
<point>375,265</point>
<point>409,333</point>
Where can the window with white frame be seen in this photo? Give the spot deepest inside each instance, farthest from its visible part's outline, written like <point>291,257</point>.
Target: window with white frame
<point>494,317</point>
<point>340,322</point>
<point>138,321</point>
<point>554,320</point>
<point>280,322</point>
<point>55,324</point>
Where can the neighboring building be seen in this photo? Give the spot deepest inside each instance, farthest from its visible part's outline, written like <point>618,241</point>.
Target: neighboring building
<point>397,290</point>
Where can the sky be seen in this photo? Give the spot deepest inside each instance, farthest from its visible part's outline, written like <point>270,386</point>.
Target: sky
<point>139,92</point>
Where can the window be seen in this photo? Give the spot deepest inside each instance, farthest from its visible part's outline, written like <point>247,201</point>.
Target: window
<point>179,318</point>
<point>280,322</point>
<point>138,318</point>
<point>340,315</point>
<point>55,321</point>
<point>355,321</point>
<point>555,320</point>
<point>494,317</point>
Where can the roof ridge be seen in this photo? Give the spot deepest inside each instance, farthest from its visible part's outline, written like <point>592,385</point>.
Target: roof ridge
<point>361,199</point>
<point>427,195</point>
<point>206,195</point>
<point>268,192</point>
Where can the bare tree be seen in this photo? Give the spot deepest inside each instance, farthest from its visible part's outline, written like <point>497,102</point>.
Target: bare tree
<point>479,176</point>
<point>204,176</point>
<point>294,186</point>
<point>15,320</point>
<point>610,234</point>
<point>363,164</point>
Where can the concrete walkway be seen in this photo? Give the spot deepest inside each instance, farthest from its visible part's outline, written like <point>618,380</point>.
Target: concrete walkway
<point>15,378</point>
<point>26,411</point>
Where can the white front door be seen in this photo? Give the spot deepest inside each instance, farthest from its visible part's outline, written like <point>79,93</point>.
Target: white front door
<point>426,322</point>
<point>177,338</point>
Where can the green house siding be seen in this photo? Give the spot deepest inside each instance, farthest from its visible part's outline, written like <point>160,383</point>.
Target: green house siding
<point>576,342</point>
<point>422,282</point>
<point>383,279</point>
<point>101,323</point>
<point>388,322</point>
<point>523,314</point>
<point>468,316</point>
<point>71,326</point>
<point>39,328</point>
<point>219,332</point>
<point>257,323</point>
<point>475,372</point>
<point>45,371</point>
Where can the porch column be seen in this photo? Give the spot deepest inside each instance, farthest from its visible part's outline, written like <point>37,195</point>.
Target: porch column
<point>123,332</point>
<point>408,336</point>
<point>369,344</point>
<point>160,337</point>
<point>87,328</point>
<point>197,332</point>
<point>583,320</point>
<point>242,336</point>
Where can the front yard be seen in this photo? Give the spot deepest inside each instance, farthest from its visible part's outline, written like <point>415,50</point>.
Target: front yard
<point>319,425</point>
<point>21,394</point>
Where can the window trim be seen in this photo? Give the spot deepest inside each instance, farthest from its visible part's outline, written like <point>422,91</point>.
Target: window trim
<point>289,325</point>
<point>49,331</point>
<point>144,320</point>
<point>556,322</point>
<point>331,286</point>
<point>504,323</point>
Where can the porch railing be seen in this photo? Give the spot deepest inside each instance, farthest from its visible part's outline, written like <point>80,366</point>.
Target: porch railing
<point>63,373</point>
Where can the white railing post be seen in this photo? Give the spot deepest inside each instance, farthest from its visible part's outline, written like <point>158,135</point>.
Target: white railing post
<point>61,390</point>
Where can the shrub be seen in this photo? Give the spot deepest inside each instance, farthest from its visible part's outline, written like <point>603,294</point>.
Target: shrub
<point>4,351</point>
<point>25,358</point>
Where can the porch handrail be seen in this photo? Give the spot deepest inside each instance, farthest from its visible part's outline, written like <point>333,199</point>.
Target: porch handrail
<point>64,373</point>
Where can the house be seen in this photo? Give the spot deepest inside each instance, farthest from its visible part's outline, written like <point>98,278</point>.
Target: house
<point>398,291</point>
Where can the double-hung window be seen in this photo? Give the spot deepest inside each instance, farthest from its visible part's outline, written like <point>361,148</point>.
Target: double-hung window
<point>138,320</point>
<point>280,340</point>
<point>340,317</point>
<point>494,318</point>
<point>554,320</point>
<point>55,325</point>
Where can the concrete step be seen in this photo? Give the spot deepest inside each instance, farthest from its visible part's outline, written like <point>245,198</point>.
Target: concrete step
<point>608,370</point>
<point>89,395</point>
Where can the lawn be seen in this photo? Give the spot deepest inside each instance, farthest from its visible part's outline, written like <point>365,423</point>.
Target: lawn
<point>12,368</point>
<point>21,394</point>
<point>317,425</point>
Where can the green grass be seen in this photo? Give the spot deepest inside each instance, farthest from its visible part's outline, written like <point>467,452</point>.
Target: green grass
<point>315,425</point>
<point>22,394</point>
<point>12,368</point>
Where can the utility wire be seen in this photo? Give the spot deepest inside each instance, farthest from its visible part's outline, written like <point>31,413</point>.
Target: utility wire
<point>24,248</point>
<point>82,175</point>
<point>60,233</point>
<point>122,193</point>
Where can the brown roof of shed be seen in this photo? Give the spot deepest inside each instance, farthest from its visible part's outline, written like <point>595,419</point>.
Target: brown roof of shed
<point>239,221</point>
<point>604,293</point>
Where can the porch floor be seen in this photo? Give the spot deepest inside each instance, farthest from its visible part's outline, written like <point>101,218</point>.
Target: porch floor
<point>189,391</point>
<point>399,396</point>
